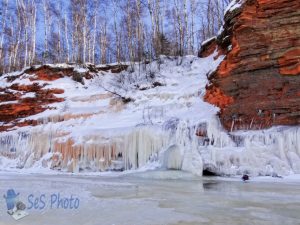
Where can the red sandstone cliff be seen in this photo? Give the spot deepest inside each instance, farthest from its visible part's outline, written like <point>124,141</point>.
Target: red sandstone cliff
<point>258,83</point>
<point>21,99</point>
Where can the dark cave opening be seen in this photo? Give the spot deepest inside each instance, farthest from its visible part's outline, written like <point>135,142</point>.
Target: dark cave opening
<point>209,173</point>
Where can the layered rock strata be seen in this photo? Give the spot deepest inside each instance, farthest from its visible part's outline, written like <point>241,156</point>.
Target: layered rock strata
<point>258,84</point>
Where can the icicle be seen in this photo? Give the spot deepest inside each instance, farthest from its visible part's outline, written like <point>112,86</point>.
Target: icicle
<point>172,158</point>
<point>181,143</point>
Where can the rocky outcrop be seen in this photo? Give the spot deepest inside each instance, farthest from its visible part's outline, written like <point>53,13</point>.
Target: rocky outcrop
<point>22,100</point>
<point>29,92</point>
<point>257,84</point>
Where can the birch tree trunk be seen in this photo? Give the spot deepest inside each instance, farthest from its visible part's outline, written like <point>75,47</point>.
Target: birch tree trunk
<point>25,21</point>
<point>12,46</point>
<point>2,34</point>
<point>116,31</point>
<point>33,32</point>
<point>46,25</point>
<point>18,36</point>
<point>186,29</point>
<point>192,34</point>
<point>103,41</point>
<point>150,8</point>
<point>94,38</point>
<point>180,28</point>
<point>84,39</point>
<point>66,38</point>
<point>138,30</point>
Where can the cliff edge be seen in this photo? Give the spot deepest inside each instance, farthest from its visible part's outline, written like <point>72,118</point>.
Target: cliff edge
<point>257,84</point>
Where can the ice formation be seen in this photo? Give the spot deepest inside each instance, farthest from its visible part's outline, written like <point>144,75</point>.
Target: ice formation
<point>168,125</point>
<point>172,158</point>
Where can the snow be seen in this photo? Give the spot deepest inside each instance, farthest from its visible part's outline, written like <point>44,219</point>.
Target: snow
<point>29,95</point>
<point>8,102</point>
<point>81,70</point>
<point>234,5</point>
<point>155,130</point>
<point>95,119</point>
<point>221,30</point>
<point>208,40</point>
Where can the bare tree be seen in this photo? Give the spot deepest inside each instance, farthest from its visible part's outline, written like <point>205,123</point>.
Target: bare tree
<point>103,31</point>
<point>46,28</point>
<point>3,22</point>
<point>67,38</point>
<point>103,39</point>
<point>33,28</point>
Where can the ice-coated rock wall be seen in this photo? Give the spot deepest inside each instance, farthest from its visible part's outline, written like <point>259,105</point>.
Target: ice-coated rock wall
<point>165,125</point>
<point>176,144</point>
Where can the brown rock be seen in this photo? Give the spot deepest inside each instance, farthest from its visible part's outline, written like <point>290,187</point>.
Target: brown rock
<point>11,113</point>
<point>257,85</point>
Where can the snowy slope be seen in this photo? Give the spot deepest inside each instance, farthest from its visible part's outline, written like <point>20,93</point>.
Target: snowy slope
<point>94,130</point>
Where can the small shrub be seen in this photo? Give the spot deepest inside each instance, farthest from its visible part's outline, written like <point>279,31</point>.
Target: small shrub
<point>78,78</point>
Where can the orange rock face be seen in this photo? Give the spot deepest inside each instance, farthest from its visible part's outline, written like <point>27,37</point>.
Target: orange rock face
<point>215,96</point>
<point>290,62</point>
<point>258,83</point>
<point>15,106</point>
<point>11,113</point>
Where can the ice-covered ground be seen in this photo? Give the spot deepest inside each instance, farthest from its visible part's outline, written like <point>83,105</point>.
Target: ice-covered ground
<point>93,130</point>
<point>155,198</point>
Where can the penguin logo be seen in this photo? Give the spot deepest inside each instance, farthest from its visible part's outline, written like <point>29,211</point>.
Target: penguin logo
<point>11,199</point>
<point>15,208</point>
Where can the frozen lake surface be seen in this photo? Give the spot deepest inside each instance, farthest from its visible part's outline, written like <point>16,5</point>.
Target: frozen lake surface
<point>157,197</point>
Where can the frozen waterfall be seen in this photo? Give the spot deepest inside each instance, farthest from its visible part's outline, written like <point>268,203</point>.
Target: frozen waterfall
<point>176,144</point>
